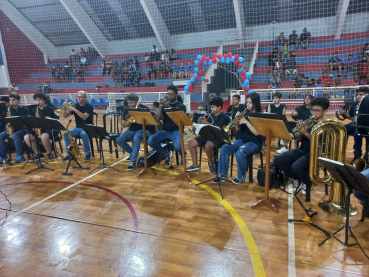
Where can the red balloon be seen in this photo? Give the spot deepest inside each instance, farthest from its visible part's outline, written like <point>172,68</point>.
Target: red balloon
<point>203,57</point>
<point>202,62</point>
<point>236,62</point>
<point>250,80</point>
<point>207,59</point>
<point>236,57</point>
<point>206,80</point>
<point>219,56</point>
<point>190,89</point>
<point>230,55</point>
<point>197,78</point>
<point>225,56</point>
<point>214,60</point>
<point>214,55</point>
<point>243,72</point>
<point>240,65</point>
<point>191,75</point>
<point>199,66</point>
<point>243,78</point>
<point>247,89</point>
<point>190,85</point>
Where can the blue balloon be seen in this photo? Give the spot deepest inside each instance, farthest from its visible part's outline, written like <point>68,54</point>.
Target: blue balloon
<point>243,85</point>
<point>189,81</point>
<point>210,62</point>
<point>240,69</point>
<point>197,62</point>
<point>246,82</point>
<point>250,91</point>
<point>186,87</point>
<point>193,79</point>
<point>199,57</point>
<point>241,59</point>
<point>232,59</point>
<point>205,62</point>
<point>202,78</point>
<point>196,69</point>
<point>222,60</point>
<point>228,60</point>
<point>187,92</point>
<point>195,75</point>
<point>248,75</point>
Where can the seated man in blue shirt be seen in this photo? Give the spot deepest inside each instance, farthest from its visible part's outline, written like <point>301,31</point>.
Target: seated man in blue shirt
<point>334,64</point>
<point>170,129</point>
<point>17,136</point>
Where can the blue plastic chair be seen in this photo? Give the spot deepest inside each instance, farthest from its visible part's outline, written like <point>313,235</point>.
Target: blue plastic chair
<point>92,102</point>
<point>99,102</point>
<point>106,102</point>
<point>60,102</point>
<point>54,102</point>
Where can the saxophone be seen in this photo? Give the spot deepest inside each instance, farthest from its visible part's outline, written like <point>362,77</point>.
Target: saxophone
<point>10,130</point>
<point>73,148</point>
<point>38,130</point>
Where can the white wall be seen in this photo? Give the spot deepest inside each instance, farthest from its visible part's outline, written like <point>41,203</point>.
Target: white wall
<point>355,23</point>
<point>4,74</point>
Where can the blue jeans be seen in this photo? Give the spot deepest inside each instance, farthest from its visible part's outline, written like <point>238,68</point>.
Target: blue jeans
<point>155,141</point>
<point>242,150</point>
<point>358,140</point>
<point>135,137</point>
<point>75,132</point>
<point>18,142</point>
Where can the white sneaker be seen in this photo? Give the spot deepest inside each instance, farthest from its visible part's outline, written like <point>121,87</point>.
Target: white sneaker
<point>303,189</point>
<point>282,150</point>
<point>297,184</point>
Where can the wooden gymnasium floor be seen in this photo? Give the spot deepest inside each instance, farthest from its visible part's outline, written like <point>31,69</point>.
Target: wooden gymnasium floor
<point>116,224</point>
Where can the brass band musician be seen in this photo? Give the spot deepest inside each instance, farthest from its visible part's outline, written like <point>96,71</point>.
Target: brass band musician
<point>236,106</point>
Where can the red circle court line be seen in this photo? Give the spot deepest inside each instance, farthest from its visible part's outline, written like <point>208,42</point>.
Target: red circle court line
<point>130,207</point>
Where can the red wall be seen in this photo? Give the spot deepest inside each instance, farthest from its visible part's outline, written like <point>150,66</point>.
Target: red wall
<point>21,54</point>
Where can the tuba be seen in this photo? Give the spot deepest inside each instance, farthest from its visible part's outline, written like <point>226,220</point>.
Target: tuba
<point>10,129</point>
<point>73,148</point>
<point>38,130</point>
<point>329,140</point>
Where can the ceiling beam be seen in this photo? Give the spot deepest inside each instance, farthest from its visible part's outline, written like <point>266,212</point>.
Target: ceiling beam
<point>240,18</point>
<point>340,17</point>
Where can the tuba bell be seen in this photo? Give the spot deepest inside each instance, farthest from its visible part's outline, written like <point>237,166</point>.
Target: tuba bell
<point>329,140</point>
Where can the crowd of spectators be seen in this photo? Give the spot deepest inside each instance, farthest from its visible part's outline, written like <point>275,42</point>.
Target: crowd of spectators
<point>155,55</point>
<point>294,39</point>
<point>68,73</point>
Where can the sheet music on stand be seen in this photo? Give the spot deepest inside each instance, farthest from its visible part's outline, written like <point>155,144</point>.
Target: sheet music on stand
<point>199,126</point>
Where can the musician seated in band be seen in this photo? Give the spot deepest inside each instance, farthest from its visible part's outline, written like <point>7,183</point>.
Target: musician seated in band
<point>351,130</point>
<point>4,100</point>
<point>303,112</point>
<point>207,108</point>
<point>170,129</point>
<point>43,111</point>
<point>236,106</point>
<point>247,141</point>
<point>217,118</point>
<point>134,133</point>
<point>278,108</point>
<point>83,114</point>
<point>295,163</point>
<point>17,136</point>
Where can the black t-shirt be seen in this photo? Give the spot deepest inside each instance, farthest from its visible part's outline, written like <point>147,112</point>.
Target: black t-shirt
<point>277,110</point>
<point>303,113</point>
<point>47,112</point>
<point>305,36</point>
<point>168,124</point>
<point>234,110</point>
<point>87,108</point>
<point>179,99</point>
<point>305,142</point>
<point>246,135</point>
<point>353,110</point>
<point>220,120</point>
<point>134,126</point>
<point>20,111</point>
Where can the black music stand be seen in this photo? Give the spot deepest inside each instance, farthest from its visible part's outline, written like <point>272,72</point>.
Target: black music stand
<point>35,123</point>
<point>353,180</point>
<point>100,133</point>
<point>209,132</point>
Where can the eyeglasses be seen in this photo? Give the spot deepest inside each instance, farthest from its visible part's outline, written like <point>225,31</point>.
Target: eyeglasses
<point>171,94</point>
<point>80,97</point>
<point>315,111</point>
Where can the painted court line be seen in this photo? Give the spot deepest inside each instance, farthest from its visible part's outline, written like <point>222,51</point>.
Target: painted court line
<point>291,235</point>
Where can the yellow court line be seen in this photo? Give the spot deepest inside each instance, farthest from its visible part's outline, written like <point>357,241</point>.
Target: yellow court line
<point>250,242</point>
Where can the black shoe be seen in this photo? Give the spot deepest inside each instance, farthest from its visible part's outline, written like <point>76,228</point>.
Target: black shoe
<point>237,181</point>
<point>87,158</point>
<point>66,159</point>
<point>131,166</point>
<point>36,158</point>
<point>193,168</point>
<point>211,168</point>
<point>50,157</point>
<point>168,157</point>
<point>219,179</point>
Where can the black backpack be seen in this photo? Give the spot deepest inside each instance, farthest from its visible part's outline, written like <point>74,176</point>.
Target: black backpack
<point>276,177</point>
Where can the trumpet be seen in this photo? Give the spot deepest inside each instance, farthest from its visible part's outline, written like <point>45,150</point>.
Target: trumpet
<point>307,123</point>
<point>65,108</point>
<point>162,101</point>
<point>234,122</point>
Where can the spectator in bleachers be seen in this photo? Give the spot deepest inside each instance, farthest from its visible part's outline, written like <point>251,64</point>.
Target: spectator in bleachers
<point>137,78</point>
<point>294,39</point>
<point>39,90</point>
<point>273,56</point>
<point>116,66</point>
<point>67,70</point>
<point>366,51</point>
<point>83,53</point>
<point>281,67</point>
<point>73,55</point>
<point>132,67</point>
<point>337,82</point>
<point>318,88</point>
<point>80,74</point>
<point>109,65</point>
<point>279,40</point>
<point>275,74</point>
<point>61,75</point>
<point>53,72</point>
<point>47,88</point>
<point>167,68</point>
<point>304,38</point>
<point>125,67</point>
<point>273,84</point>
<point>161,69</point>
<point>350,64</point>
<point>173,57</point>
<point>312,83</point>
<point>291,67</point>
<point>94,53</point>
<point>364,69</point>
<point>154,53</point>
<point>73,74</point>
<point>83,62</point>
<point>90,53</point>
<point>334,64</point>
<point>286,51</point>
<point>147,58</point>
<point>166,56</point>
<point>174,71</point>
<point>135,62</point>
<point>152,69</point>
<point>115,77</point>
<point>297,85</point>
<point>325,78</point>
